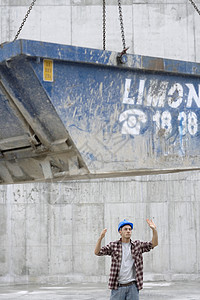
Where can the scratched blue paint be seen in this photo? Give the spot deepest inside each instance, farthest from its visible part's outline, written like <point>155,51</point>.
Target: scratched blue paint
<point>81,102</point>
<point>143,114</point>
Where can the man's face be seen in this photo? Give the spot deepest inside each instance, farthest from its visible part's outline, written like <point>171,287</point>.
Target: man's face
<point>125,231</point>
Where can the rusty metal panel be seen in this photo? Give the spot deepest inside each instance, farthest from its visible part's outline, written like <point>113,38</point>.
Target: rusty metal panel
<point>136,117</point>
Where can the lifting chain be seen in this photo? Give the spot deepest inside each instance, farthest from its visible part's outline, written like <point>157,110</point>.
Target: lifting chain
<point>194,4</point>
<point>104,24</point>
<point>24,20</point>
<point>121,25</point>
<point>122,58</point>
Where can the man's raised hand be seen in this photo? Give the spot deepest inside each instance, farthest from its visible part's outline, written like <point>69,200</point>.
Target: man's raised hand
<point>98,244</point>
<point>155,234</point>
<point>103,233</point>
<point>151,224</point>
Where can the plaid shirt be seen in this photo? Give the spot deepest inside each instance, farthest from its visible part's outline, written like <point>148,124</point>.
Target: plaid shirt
<point>114,249</point>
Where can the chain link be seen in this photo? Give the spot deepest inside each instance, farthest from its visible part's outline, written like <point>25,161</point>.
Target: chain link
<point>121,24</point>
<point>195,6</point>
<point>104,24</point>
<point>24,20</point>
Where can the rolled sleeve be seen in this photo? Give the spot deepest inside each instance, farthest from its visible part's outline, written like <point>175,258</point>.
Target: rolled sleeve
<point>106,250</point>
<point>146,246</point>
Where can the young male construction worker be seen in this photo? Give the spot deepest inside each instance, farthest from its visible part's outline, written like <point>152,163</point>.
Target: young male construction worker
<point>126,273</point>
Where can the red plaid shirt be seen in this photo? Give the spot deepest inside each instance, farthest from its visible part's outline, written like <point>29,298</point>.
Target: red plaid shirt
<point>114,249</point>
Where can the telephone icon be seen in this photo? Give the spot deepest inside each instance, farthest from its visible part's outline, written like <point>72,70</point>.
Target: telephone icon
<point>132,119</point>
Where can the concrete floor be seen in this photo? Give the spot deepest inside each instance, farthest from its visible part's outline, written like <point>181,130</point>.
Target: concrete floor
<point>151,291</point>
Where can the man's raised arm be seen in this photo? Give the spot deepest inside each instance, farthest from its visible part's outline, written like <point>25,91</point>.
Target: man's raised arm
<point>155,233</point>
<point>98,244</point>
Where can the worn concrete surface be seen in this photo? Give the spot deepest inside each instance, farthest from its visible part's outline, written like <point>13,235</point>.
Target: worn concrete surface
<point>154,28</point>
<point>152,290</point>
<point>49,232</point>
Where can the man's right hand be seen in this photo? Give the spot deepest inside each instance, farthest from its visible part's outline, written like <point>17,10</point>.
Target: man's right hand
<point>103,233</point>
<point>98,245</point>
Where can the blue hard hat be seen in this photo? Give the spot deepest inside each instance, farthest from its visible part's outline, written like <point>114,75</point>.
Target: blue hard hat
<point>123,223</point>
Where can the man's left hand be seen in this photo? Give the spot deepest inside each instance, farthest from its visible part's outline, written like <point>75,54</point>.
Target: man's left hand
<point>151,224</point>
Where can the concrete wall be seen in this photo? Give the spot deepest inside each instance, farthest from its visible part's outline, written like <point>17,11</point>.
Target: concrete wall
<point>168,28</point>
<point>48,231</point>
